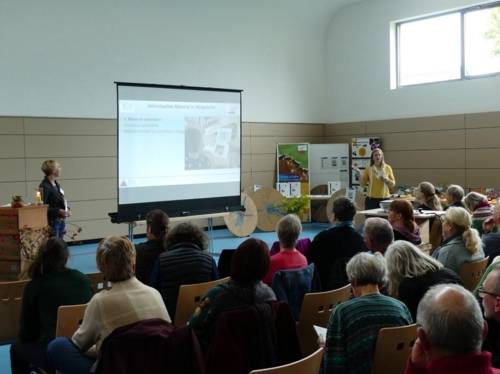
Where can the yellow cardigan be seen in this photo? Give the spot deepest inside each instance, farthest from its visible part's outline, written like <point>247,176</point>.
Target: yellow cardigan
<point>377,188</point>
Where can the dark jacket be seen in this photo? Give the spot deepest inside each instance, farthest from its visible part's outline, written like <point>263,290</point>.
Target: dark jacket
<point>411,290</point>
<point>150,346</point>
<point>146,255</point>
<point>52,196</point>
<point>331,250</point>
<point>43,296</point>
<point>183,263</point>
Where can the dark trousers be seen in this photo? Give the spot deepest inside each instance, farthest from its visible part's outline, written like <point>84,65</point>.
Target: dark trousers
<point>24,357</point>
<point>373,202</point>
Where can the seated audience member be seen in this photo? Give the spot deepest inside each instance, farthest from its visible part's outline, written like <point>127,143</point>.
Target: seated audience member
<point>249,265</point>
<point>128,301</point>
<point>489,292</point>
<point>450,334</point>
<point>378,234</point>
<point>354,325</point>
<point>426,197</point>
<point>491,234</point>
<point>461,242</point>
<point>52,285</point>
<point>480,209</point>
<point>288,229</point>
<point>331,249</point>
<point>412,273</point>
<point>454,196</point>
<point>403,222</point>
<point>148,252</point>
<point>186,261</point>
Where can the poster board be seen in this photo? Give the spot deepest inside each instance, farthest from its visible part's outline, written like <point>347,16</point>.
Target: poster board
<point>361,153</point>
<point>329,163</point>
<point>293,167</point>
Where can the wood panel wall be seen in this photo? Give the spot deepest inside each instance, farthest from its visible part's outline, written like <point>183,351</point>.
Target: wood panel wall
<point>86,149</point>
<point>463,149</point>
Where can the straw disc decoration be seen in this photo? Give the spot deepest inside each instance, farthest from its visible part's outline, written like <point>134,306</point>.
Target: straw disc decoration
<point>329,205</point>
<point>243,223</point>
<point>267,200</point>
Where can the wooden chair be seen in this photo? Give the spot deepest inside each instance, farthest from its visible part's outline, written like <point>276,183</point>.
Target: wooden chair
<point>471,272</point>
<point>69,318</point>
<point>98,282</point>
<point>392,349</point>
<point>308,365</point>
<point>189,297</point>
<point>11,294</point>
<point>316,310</point>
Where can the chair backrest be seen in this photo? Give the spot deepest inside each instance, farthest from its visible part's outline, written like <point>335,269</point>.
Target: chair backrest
<point>11,294</point>
<point>69,318</point>
<point>316,310</point>
<point>471,272</point>
<point>224,263</point>
<point>291,286</point>
<point>98,282</point>
<point>392,349</point>
<point>189,298</point>
<point>308,365</point>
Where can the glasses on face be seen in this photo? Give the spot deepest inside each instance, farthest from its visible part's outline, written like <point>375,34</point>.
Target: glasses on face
<point>481,292</point>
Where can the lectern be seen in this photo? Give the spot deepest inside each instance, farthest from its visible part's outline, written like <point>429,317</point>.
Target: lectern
<point>22,231</point>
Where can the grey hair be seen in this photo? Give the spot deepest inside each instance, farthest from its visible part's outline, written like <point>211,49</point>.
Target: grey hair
<point>367,268</point>
<point>405,260</point>
<point>472,200</point>
<point>288,230</point>
<point>455,191</point>
<point>453,322</point>
<point>379,231</point>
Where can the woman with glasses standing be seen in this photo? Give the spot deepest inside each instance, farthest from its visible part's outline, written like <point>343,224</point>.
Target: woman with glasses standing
<point>53,196</point>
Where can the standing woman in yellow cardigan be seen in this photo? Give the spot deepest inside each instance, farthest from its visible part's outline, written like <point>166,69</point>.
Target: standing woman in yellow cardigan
<point>378,178</point>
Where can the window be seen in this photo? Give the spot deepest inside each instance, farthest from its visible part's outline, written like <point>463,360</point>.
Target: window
<point>462,44</point>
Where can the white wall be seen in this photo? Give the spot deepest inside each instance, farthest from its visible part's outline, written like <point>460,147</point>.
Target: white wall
<point>61,57</point>
<point>359,71</point>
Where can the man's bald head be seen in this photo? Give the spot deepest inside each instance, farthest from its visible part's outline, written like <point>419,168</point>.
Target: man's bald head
<point>451,319</point>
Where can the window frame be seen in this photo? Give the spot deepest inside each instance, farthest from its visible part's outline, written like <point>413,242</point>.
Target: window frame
<point>462,12</point>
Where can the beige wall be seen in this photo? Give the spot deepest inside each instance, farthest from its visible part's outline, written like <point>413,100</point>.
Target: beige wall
<point>462,149</point>
<point>86,149</point>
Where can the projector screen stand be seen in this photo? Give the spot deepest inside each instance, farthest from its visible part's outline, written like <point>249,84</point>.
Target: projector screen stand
<point>210,226</point>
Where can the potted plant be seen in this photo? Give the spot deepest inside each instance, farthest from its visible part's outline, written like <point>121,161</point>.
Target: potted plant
<point>298,205</point>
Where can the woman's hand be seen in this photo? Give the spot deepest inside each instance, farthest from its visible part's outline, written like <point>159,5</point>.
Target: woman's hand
<point>356,169</point>
<point>64,213</point>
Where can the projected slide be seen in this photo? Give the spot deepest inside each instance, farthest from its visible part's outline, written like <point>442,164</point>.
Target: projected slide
<point>177,144</point>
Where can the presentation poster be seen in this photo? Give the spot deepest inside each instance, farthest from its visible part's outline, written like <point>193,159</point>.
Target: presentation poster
<point>293,165</point>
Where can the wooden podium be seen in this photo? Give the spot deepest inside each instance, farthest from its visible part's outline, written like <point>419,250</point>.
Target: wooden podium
<point>22,231</point>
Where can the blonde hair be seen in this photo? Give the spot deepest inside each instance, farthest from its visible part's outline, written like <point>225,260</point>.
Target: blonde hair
<point>115,258</point>
<point>48,166</point>
<point>431,199</point>
<point>405,260</point>
<point>461,220</point>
